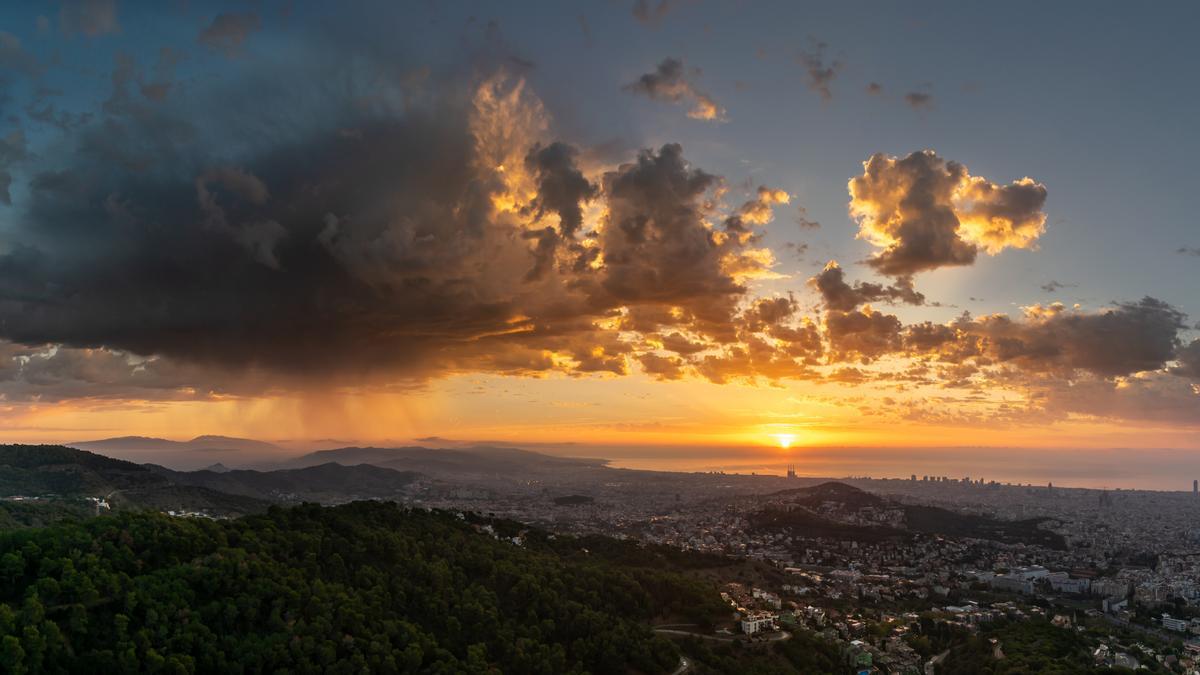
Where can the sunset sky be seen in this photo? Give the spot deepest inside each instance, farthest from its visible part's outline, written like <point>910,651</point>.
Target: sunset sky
<point>626,226</point>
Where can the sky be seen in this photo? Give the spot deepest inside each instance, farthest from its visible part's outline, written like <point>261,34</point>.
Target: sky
<point>778,231</point>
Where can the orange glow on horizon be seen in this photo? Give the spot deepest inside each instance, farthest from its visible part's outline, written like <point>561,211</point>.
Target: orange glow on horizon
<point>785,440</point>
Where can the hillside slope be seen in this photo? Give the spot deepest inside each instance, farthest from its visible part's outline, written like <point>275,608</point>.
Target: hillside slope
<point>448,463</point>
<point>366,587</point>
<point>55,472</point>
<point>330,482</point>
<point>835,510</point>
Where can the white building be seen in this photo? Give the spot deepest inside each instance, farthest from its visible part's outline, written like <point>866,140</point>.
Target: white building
<point>755,622</point>
<point>1063,583</point>
<point>1012,583</point>
<point>1177,625</point>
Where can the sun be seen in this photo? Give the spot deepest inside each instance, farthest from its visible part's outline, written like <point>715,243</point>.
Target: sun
<point>785,441</point>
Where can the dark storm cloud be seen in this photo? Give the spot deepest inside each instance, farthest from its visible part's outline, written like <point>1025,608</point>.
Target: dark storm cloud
<point>228,32</point>
<point>301,256</point>
<point>656,245</point>
<point>49,373</point>
<point>12,153</point>
<point>839,295</point>
<point>359,218</point>
<point>562,187</point>
<point>247,226</point>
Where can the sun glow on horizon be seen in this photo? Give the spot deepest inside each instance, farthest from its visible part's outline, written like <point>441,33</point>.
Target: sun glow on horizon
<point>785,441</point>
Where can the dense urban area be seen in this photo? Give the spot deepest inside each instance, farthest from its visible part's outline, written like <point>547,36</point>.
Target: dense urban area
<point>925,574</point>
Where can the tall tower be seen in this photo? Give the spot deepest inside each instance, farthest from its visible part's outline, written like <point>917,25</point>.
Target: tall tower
<point>791,471</point>
<point>1196,487</point>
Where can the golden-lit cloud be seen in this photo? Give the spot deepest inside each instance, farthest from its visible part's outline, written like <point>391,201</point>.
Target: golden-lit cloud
<point>924,212</point>
<point>672,82</point>
<point>838,294</point>
<point>757,211</point>
<point>425,231</point>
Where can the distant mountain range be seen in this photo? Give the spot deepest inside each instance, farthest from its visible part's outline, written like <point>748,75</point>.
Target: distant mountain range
<point>220,453</point>
<point>198,452</point>
<point>448,463</point>
<point>327,476</point>
<point>199,443</point>
<point>50,473</point>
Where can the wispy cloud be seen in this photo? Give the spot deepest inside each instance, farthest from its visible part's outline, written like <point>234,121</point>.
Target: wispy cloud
<point>672,82</point>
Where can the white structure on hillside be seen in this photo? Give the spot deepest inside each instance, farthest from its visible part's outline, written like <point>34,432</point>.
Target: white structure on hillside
<point>755,622</point>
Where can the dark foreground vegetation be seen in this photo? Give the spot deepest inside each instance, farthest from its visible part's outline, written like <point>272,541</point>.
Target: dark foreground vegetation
<point>366,587</point>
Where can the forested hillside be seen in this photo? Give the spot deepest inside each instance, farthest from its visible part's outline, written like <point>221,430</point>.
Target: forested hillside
<point>366,587</point>
<point>57,474</point>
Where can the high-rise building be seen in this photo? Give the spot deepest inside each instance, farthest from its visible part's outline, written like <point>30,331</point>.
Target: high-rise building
<point>1196,487</point>
<point>791,471</point>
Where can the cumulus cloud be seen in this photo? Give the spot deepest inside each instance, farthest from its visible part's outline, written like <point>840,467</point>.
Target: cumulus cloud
<point>863,335</point>
<point>925,213</point>
<point>837,294</point>
<point>1126,339</point>
<point>662,367</point>
<point>671,82</point>
<point>757,211</point>
<point>242,234</point>
<point>821,73</point>
<point>1125,362</point>
<point>656,243</point>
<point>406,239</point>
<point>228,31</point>
<point>1188,361</point>
<point>562,190</point>
<point>1149,397</point>
<point>1129,338</point>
